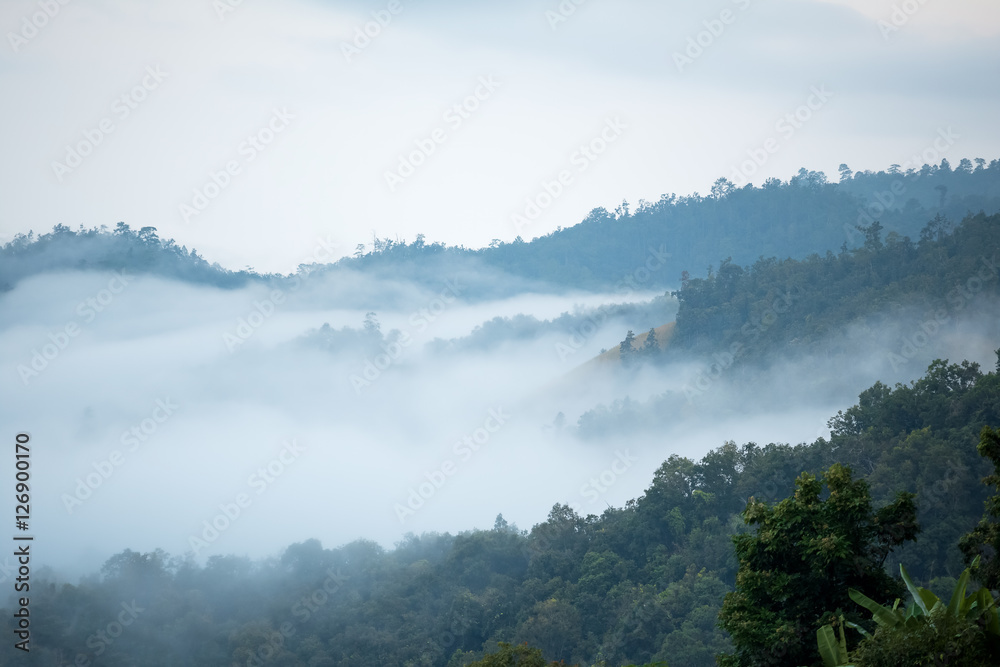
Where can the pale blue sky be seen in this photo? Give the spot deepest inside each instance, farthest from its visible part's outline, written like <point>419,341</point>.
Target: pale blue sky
<point>324,173</point>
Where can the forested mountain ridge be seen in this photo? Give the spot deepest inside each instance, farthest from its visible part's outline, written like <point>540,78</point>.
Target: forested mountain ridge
<point>659,240</point>
<point>800,303</point>
<point>792,219</point>
<point>880,304</point>
<point>120,249</point>
<point>638,583</point>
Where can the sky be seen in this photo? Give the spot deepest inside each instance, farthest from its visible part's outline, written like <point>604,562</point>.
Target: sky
<point>247,130</point>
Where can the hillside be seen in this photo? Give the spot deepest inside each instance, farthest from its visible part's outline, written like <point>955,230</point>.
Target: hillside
<point>639,583</point>
<point>879,304</point>
<point>652,243</point>
<point>640,248</point>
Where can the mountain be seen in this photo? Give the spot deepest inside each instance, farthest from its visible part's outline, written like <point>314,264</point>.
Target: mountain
<point>627,250</point>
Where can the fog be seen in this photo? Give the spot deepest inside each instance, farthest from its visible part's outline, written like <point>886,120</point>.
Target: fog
<point>157,408</point>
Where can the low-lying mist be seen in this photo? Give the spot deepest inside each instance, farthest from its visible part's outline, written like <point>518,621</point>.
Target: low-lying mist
<point>196,419</point>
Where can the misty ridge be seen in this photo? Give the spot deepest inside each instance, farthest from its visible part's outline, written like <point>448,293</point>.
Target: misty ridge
<point>228,448</point>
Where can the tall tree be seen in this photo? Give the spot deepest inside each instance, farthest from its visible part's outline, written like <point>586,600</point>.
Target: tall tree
<point>797,566</point>
<point>650,346</point>
<point>984,539</point>
<point>626,350</point>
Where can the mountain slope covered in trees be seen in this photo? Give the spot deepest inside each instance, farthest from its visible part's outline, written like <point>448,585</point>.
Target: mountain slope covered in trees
<point>641,582</point>
<point>879,304</point>
<point>632,248</point>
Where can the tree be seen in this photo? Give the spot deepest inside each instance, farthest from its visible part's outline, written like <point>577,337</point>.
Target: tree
<point>372,326</point>
<point>965,632</point>
<point>873,235</point>
<point>796,568</point>
<point>984,540</point>
<point>650,346</point>
<point>625,349</point>
<point>554,625</point>
<point>723,187</point>
<point>943,190</point>
<point>513,656</point>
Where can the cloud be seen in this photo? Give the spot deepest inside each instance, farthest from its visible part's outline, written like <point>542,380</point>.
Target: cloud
<point>353,121</point>
<point>149,430</point>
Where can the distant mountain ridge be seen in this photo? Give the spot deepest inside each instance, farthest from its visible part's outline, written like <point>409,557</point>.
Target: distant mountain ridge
<point>646,248</point>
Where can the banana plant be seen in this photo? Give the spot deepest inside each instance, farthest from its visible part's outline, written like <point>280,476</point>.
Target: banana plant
<point>926,606</point>
<point>833,649</point>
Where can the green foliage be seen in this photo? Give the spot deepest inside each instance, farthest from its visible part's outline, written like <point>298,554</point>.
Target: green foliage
<point>120,249</point>
<point>741,319</point>
<point>805,553</point>
<point>832,644</point>
<point>639,584</point>
<point>984,540</point>
<point>793,305</point>
<point>928,608</point>
<point>955,642</point>
<point>963,631</point>
<point>513,656</point>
